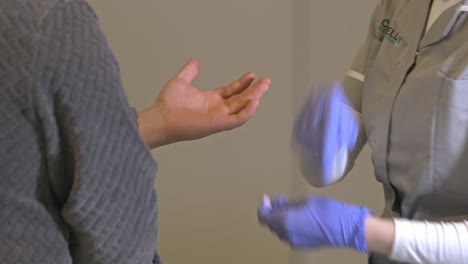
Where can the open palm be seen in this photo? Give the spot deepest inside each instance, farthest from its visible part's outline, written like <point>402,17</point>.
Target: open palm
<point>192,113</point>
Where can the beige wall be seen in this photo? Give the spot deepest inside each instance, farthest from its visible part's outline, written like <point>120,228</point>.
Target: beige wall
<point>208,190</point>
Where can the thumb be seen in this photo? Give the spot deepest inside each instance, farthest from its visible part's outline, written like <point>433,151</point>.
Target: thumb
<point>189,71</point>
<point>268,216</point>
<point>274,219</point>
<point>273,210</point>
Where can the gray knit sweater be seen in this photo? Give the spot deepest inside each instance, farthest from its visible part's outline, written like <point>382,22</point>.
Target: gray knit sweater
<point>76,180</point>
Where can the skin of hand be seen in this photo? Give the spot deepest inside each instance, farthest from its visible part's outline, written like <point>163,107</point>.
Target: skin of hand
<point>183,112</point>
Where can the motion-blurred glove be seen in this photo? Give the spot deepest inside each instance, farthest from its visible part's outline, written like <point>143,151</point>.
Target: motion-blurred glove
<point>325,131</point>
<point>316,222</point>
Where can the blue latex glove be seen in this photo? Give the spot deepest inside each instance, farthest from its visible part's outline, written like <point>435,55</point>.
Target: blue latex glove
<point>326,127</point>
<point>316,222</point>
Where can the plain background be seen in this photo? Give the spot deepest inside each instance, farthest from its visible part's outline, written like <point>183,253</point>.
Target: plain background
<point>209,189</point>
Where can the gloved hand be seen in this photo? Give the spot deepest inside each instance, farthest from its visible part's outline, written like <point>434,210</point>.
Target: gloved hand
<point>326,129</point>
<point>316,222</point>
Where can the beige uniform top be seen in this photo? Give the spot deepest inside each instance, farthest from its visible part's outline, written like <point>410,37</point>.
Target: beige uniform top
<point>411,88</point>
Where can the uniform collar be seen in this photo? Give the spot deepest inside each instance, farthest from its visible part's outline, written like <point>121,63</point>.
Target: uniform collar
<point>444,24</point>
<point>444,4</point>
<point>464,5</point>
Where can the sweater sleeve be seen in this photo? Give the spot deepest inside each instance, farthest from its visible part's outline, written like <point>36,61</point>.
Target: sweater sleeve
<point>109,206</point>
<point>430,242</point>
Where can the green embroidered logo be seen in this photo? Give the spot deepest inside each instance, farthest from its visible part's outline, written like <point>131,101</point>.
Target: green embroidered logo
<point>391,35</point>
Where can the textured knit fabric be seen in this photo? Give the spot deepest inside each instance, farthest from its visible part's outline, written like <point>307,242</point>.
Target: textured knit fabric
<point>76,180</point>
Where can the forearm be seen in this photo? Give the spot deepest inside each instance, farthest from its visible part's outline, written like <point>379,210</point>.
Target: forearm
<point>418,241</point>
<point>152,128</point>
<point>379,234</point>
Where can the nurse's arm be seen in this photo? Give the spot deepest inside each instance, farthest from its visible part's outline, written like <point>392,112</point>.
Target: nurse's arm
<point>353,84</point>
<point>413,241</point>
<point>318,170</point>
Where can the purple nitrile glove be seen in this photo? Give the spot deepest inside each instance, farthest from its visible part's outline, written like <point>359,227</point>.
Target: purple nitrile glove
<point>327,128</point>
<point>316,222</point>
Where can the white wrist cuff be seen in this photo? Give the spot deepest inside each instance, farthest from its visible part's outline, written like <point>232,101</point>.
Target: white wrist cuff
<point>430,242</point>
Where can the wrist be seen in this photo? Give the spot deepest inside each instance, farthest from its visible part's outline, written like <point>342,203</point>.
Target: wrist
<point>359,217</point>
<point>379,234</point>
<point>152,126</point>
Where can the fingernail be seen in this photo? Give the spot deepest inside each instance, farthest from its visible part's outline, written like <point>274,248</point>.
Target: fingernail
<point>266,202</point>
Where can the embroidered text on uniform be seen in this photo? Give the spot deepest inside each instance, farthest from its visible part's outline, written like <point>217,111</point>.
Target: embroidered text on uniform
<point>391,34</point>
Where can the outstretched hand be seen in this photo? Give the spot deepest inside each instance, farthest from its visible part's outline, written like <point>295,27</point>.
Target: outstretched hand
<point>315,222</point>
<point>184,112</point>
